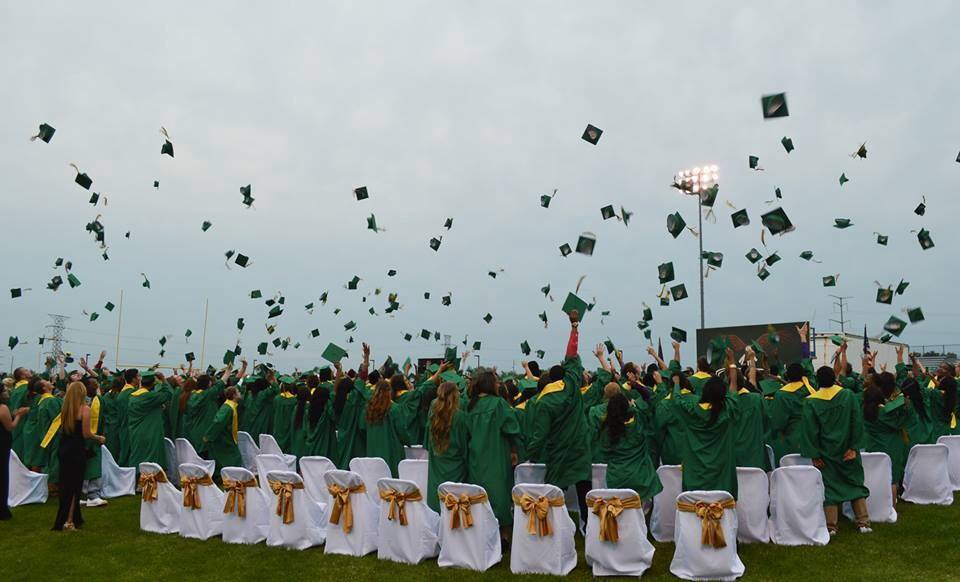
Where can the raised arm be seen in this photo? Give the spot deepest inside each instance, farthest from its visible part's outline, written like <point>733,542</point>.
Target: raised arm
<point>365,364</point>
<point>573,343</point>
<point>751,366</point>
<point>676,352</point>
<point>731,372</point>
<point>656,358</point>
<point>804,332</point>
<point>598,352</point>
<point>243,369</point>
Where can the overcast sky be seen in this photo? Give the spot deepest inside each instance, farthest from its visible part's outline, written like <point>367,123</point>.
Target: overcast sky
<point>471,111</point>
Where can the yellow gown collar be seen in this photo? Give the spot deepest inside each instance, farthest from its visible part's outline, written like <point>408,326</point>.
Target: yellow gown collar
<point>551,388</point>
<point>826,393</point>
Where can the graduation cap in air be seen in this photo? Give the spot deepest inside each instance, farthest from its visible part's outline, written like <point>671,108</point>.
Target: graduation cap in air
<point>902,287</point>
<point>895,326</point>
<point>109,306</point>
<point>861,152</point>
<point>708,196</point>
<point>546,198</point>
<point>323,298</point>
<point>543,318</point>
<point>524,348</point>
<point>206,225</point>
<point>256,294</point>
<point>349,326</point>
<point>167,148</point>
<point>754,255</point>
<point>45,134</point>
<point>450,354</point>
<point>82,179</point>
<point>275,311</point>
<point>407,337</point>
<point>476,346</point>
<point>188,333</point>
<point>592,134</point>
<point>843,179</point>
<point>882,239</point>
<point>678,292</point>
<point>573,302</point>
<point>228,357</point>
<point>787,144</point>
<point>774,105</point>
<point>189,357</point>
<point>830,281</point>
<point>446,300</point>
<point>247,196</point>
<point>333,353</point>
<point>315,333</point>
<point>625,215</point>
<point>488,318</point>
<point>754,163</point>
<point>647,313</point>
<point>675,224</point>
<point>777,221</point>
<point>915,315</point>
<point>15,293</point>
<point>714,259</point>
<point>740,218</point>
<point>94,198</point>
<point>924,237</point>
<point>921,208</point>
<point>777,193</point>
<point>162,341</point>
<point>678,334</point>
<point>608,212</point>
<point>13,341</point>
<point>262,348</point>
<point>242,260</point>
<point>372,223</point>
<point>73,281</point>
<point>448,223</point>
<point>772,260</point>
<point>763,273</point>
<point>665,272</point>
<point>352,283</point>
<point>586,243</point>
<point>55,283</point>
<point>425,334</point>
<point>885,295</point>
<point>565,249</point>
<point>361,193</point>
<point>806,255</point>
<point>435,242</point>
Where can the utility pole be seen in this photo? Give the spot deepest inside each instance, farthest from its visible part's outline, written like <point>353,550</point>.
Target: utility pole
<point>54,334</point>
<point>841,302</point>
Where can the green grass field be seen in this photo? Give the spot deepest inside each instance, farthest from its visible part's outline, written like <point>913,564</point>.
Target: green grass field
<point>923,545</point>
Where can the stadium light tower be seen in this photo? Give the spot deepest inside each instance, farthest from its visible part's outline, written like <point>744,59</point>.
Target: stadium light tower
<point>700,182</point>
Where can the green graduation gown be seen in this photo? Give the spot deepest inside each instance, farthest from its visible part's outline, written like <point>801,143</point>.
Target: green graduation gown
<point>256,415</point>
<point>629,465</point>
<point>709,460</point>
<point>750,444</point>
<point>385,439</point>
<point>18,400</point>
<point>783,414</point>
<point>943,421</point>
<point>145,425</point>
<point>888,433</point>
<point>123,427</point>
<point>670,439</point>
<point>452,463</point>
<point>110,423</point>
<point>832,425</point>
<point>284,407</point>
<point>352,441</point>
<point>492,428</point>
<point>322,436</point>
<point>43,410</point>
<point>201,408</point>
<point>220,439</point>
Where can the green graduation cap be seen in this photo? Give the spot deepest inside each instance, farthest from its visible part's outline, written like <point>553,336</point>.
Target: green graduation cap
<point>146,282</point>
<point>450,354</point>
<point>830,281</point>
<point>323,297</point>
<point>893,404</point>
<point>626,215</point>
<point>361,193</point>
<point>774,105</point>
<point>565,249</point>
<point>333,353</point>
<point>924,237</point>
<point>778,193</point>
<point>189,357</point>
<point>708,196</point>
<point>45,134</point>
<point>843,179</point>
<point>665,300</point>
<point>678,335</point>
<point>545,290</point>
<point>109,306</point>
<point>407,336</point>
<point>82,179</point>
<point>228,357</point>
<point>525,348</point>
<point>895,325</point>
<point>425,334</point>
<point>586,243</point>
<point>915,315</point>
<point>842,223</point>
<point>55,283</point>
<point>256,294</point>
<point>349,326</point>
<point>476,346</point>
<point>13,341</point>
<point>777,221</point>
<point>609,345</point>
<point>837,340</point>
<point>206,225</point>
<point>242,260</point>
<point>740,218</point>
<point>435,242</point>
<point>806,255</point>
<point>573,302</point>
<point>902,287</point>
<point>451,376</point>
<point>545,200</point>
<point>372,223</point>
<point>73,280</point>
<point>647,313</point>
<point>94,198</point>
<point>262,348</point>
<point>15,293</point>
<point>591,134</point>
<point>787,144</point>
<point>240,323</point>
<point>608,212</point>
<point>885,338</point>
<point>353,283</point>
<point>885,295</point>
<point>763,273</point>
<point>541,354</point>
<point>882,239</point>
<point>921,209</point>
<point>675,224</point>
<point>861,152</point>
<point>246,192</point>
<point>188,333</point>
<point>275,311</point>
<point>94,316</point>
<point>392,273</point>
<point>754,255</point>
<point>772,259</point>
<point>315,333</point>
<point>156,184</point>
<point>488,318</point>
<point>665,272</point>
<point>446,300</point>
<point>167,148</point>
<point>754,162</point>
<point>646,333</point>
<point>678,292</point>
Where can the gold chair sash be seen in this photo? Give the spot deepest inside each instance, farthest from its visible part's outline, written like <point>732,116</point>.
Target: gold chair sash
<point>537,512</point>
<point>398,501</point>
<point>284,493</point>
<point>148,484</point>
<point>237,496</point>
<point>459,508</point>
<point>189,485</point>
<point>608,510</point>
<point>341,505</point>
<point>710,514</point>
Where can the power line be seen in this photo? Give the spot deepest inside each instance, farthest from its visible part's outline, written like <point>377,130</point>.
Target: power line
<point>55,334</point>
<point>841,303</point>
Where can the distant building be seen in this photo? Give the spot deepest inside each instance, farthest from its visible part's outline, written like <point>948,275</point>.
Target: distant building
<point>823,350</point>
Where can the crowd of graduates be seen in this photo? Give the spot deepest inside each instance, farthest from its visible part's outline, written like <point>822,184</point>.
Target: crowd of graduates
<point>478,424</point>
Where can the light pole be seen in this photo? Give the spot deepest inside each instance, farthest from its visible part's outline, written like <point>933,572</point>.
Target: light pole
<point>700,181</point>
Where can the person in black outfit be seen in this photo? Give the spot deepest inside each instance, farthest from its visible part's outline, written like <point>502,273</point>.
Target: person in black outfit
<point>75,430</point>
<point>8,422</point>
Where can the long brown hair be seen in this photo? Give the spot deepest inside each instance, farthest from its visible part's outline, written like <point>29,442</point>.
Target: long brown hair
<point>73,401</point>
<point>380,403</point>
<point>441,422</point>
<point>189,385</point>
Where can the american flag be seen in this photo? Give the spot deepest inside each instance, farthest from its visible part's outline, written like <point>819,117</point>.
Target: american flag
<point>866,341</point>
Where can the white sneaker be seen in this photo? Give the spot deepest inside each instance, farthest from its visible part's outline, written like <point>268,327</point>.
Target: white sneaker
<point>83,503</point>
<point>865,529</point>
<point>96,502</point>
<point>833,533</point>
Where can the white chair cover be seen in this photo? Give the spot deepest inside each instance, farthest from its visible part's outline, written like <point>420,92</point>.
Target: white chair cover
<point>187,455</point>
<point>529,473</point>
<point>412,543</point>
<point>599,476</point>
<point>665,503</point>
<point>362,538</point>
<point>771,457</point>
<point>793,460</point>
<point>253,528</point>
<point>952,443</point>
<point>172,461</point>
<point>206,522</point>
<point>476,548</point>
<point>312,469</point>
<point>694,561</point>
<point>162,515</point>
<point>416,470</point>
<point>796,507</point>
<point>415,452</point>
<point>632,555</point>
<point>555,554</point>
<point>371,470</point>
<point>752,504</point>
<point>248,450</point>
<point>269,446</point>
<point>308,528</point>
<point>115,481</point>
<point>877,477</point>
<point>926,480</point>
<point>25,486</point>
<point>265,464</point>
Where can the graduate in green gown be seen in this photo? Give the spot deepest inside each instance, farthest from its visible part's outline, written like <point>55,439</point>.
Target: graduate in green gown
<point>202,406</point>
<point>447,442</point>
<point>109,415</point>
<point>784,411</point>
<point>145,420</point>
<point>284,408</point>
<point>256,411</point>
<point>750,444</point>
<point>832,431</point>
<point>44,407</point>
<point>220,440</point>
<point>298,430</point>
<point>943,404</point>
<point>321,430</point>
<point>595,417</point>
<point>350,403</point>
<point>710,422</point>
<point>886,416</point>
<point>920,429</point>
<point>18,400</point>
<point>623,439</point>
<point>131,377</point>
<point>385,424</point>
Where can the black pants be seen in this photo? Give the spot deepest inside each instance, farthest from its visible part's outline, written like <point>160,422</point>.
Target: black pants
<point>583,487</point>
<point>4,482</point>
<point>73,465</point>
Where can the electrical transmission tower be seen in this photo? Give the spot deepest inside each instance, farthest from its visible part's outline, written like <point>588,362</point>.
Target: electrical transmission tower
<point>53,336</point>
<point>842,303</point>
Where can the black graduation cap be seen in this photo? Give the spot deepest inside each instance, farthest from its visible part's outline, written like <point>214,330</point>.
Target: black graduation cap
<point>882,239</point>
<point>425,334</point>
<point>435,243</point>
<point>525,348</point>
<point>167,148</point>
<point>546,198</point>
<point>778,193</point>
<point>675,224</point>
<point>926,242</point>
<point>448,224</point>
<point>352,283</point>
<point>586,243</point>
<point>844,179</point>
<point>82,179</point>
<point>592,134</point>
<point>189,357</point>
<point>902,287</point>
<point>247,196</point>
<point>678,334</point>
<point>772,259</point>
<point>607,212</point>
<point>665,272</point>
<point>565,249</point>
<point>885,295</point>
<point>156,184</point>
<point>361,193</point>
<point>830,281</point>
<point>15,293</point>
<point>256,294</point>
<point>262,348</point>
<point>787,144</point>
<point>678,292</point>
<point>740,218</point>
<point>391,272</point>
<point>754,162</point>
<point>488,318</point>
<point>915,315</point>
<point>446,300</point>
<point>55,283</point>
<point>206,225</point>
<point>921,208</point>
<point>242,260</point>
<point>45,134</point>
<point>774,105</point>
<point>777,221</point>
<point>763,273</point>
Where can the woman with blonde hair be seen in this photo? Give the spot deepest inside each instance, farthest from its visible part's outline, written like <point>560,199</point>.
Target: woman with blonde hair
<point>446,442</point>
<point>75,429</point>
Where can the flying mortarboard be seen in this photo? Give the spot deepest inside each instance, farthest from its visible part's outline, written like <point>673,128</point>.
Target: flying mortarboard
<point>247,196</point>
<point>678,292</point>
<point>665,272</point>
<point>902,286</point>
<point>777,193</point>
<point>541,354</point>
<point>586,243</point>
<point>256,294</point>
<point>435,243</point>
<point>361,193</point>
<point>275,311</point>
<point>895,325</point>
<point>754,162</point>
<point>55,283</point>
<point>167,148</point>
<point>740,218</point>
<point>350,325</point>
<point>15,293</point>
<point>763,273</point>
<point>573,302</point>
<point>524,348</point>
<point>94,198</point>
<point>13,341</point>
<point>921,208</point>
<point>333,353</point>
<point>924,237</point>
<point>242,260</point>
<point>73,281</point>
<point>861,152</point>
<point>315,333</point>
<point>146,282</point>
<point>830,281</point>
<point>156,184</point>
<point>772,259</point>
<point>448,224</point>
<point>476,346</point>
<point>625,215</point>
<point>915,315</point>
<point>777,221</point>
<point>352,283</point>
<point>189,357</point>
<point>565,249</point>
<point>754,255</point>
<point>842,223</point>
<point>608,212</point>
<point>787,144</point>
<point>882,239</point>
<point>647,313</point>
<point>774,105</point>
<point>372,223</point>
<point>82,179</point>
<point>450,354</point>
<point>843,179</point>
<point>488,318</point>
<point>262,348</point>
<point>45,134</point>
<point>715,260</point>
<point>675,224</point>
<point>885,295</point>
<point>446,300</point>
<point>592,134</point>
<point>678,334</point>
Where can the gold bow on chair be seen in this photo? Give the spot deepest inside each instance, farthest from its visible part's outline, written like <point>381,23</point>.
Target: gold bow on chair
<point>398,501</point>
<point>537,511</point>
<point>710,514</point>
<point>189,485</point>
<point>341,504</point>
<point>284,493</point>
<point>148,483</point>
<point>459,508</point>
<point>608,510</point>
<point>237,496</point>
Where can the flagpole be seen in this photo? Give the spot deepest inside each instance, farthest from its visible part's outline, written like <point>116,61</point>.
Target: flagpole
<point>116,353</point>
<point>203,343</point>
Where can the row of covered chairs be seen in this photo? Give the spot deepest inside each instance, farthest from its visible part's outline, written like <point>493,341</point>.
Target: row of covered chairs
<point>26,486</point>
